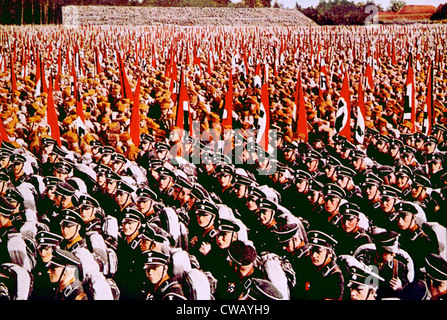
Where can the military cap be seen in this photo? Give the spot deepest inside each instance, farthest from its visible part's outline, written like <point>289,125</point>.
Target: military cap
<point>155,258</point>
<point>363,276</point>
<point>161,146</point>
<point>165,172</point>
<point>17,158</point>
<point>4,177</point>
<point>146,137</point>
<point>46,141</point>
<point>46,238</point>
<point>13,195</point>
<point>57,150</point>
<point>63,258</point>
<point>64,188</point>
<point>436,157</point>
<point>390,191</point>
<point>436,267</point>
<point>338,139</point>
<point>149,233</point>
<point>312,155</point>
<point>87,201</point>
<point>118,157</point>
<point>206,206</point>
<point>146,193</point>
<point>227,225</point>
<point>184,182</point>
<point>344,171</point>
<point>280,167</point>
<point>381,137</point>
<point>70,217</point>
<point>154,163</point>
<point>7,145</point>
<point>371,131</point>
<point>285,232</point>
<point>407,150</point>
<point>242,254</point>
<point>404,170</point>
<point>315,185</point>
<point>95,143</point>
<point>357,154</point>
<point>199,192</point>
<point>5,153</point>
<point>405,136</point>
<point>256,192</point>
<point>100,168</point>
<point>112,175</point>
<point>219,157</point>
<point>63,167</point>
<point>371,179</point>
<point>387,240</point>
<point>320,239</point>
<point>51,181</point>
<point>349,209</point>
<point>332,161</point>
<point>260,289</point>
<point>265,204</point>
<point>131,213</point>
<point>6,207</point>
<point>241,179</point>
<point>383,171</point>
<point>124,187</point>
<point>287,146</point>
<point>302,175</point>
<point>394,142</point>
<point>431,139</point>
<point>106,150</point>
<point>332,189</point>
<point>419,136</point>
<point>420,179</point>
<point>405,207</point>
<point>224,168</point>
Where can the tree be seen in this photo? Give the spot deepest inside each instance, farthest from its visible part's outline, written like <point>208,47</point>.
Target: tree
<point>396,5</point>
<point>441,12</point>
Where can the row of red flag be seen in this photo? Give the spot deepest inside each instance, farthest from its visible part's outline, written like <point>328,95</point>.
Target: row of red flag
<point>343,122</point>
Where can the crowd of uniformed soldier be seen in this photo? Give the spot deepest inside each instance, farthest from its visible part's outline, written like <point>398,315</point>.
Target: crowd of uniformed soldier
<point>317,222</point>
<point>179,217</point>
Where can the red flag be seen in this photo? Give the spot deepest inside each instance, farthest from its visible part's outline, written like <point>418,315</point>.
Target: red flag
<point>393,54</point>
<point>429,115</point>
<point>43,77</point>
<point>3,134</point>
<point>227,117</point>
<point>183,105</point>
<point>135,117</point>
<point>97,62</point>
<point>13,75</point>
<point>323,87</point>
<point>59,70</point>
<point>409,113</point>
<point>300,116</point>
<point>343,117</point>
<point>360,125</point>
<point>369,77</point>
<point>126,89</point>
<point>264,114</point>
<point>52,116</point>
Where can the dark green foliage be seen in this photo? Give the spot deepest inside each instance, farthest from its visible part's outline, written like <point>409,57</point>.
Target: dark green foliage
<point>338,12</point>
<point>441,13</point>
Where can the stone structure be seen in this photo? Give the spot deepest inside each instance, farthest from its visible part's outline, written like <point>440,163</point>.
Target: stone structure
<point>184,16</point>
